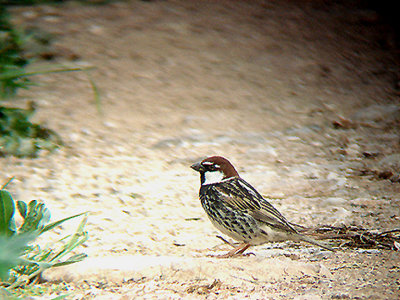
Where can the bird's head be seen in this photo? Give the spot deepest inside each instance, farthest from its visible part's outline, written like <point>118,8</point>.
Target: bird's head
<point>214,169</point>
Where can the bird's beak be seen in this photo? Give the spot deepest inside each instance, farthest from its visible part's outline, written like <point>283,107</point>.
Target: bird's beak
<point>197,167</point>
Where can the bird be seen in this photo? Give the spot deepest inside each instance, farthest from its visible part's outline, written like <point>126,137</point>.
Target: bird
<point>236,209</point>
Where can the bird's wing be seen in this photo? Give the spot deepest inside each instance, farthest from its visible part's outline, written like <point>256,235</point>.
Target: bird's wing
<point>240,195</point>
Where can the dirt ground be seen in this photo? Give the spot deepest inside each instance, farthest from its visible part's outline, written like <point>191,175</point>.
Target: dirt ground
<point>301,96</point>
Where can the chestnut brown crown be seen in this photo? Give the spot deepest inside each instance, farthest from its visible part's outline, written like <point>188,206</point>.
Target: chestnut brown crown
<point>216,164</point>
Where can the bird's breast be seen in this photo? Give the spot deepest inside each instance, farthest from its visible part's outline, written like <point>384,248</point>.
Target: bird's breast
<point>234,223</point>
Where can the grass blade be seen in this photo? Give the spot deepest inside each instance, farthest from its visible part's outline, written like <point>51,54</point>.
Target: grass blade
<point>7,183</point>
<point>96,92</point>
<point>56,223</point>
<point>78,238</point>
<point>73,259</point>
<point>21,73</point>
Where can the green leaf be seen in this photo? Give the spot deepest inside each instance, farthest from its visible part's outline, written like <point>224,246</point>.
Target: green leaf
<point>7,224</point>
<point>45,216</point>
<point>22,208</point>
<point>36,218</point>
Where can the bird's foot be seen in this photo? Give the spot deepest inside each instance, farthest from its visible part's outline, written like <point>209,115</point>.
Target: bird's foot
<point>238,251</point>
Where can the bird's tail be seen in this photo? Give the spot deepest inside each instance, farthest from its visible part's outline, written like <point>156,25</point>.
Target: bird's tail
<point>314,242</point>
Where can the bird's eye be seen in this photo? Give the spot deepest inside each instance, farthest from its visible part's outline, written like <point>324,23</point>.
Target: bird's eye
<point>215,167</point>
<point>211,166</point>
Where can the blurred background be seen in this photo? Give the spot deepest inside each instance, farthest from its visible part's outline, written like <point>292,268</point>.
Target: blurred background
<point>301,96</point>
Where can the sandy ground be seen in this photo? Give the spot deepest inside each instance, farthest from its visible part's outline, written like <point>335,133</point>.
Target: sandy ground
<point>258,82</point>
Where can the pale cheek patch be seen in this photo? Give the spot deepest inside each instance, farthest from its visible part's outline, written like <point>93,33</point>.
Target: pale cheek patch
<point>213,177</point>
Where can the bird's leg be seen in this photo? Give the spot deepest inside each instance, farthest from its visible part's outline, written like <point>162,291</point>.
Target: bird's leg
<point>242,247</point>
<point>236,252</point>
<point>227,242</point>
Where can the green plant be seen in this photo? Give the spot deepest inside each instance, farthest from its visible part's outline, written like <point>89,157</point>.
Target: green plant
<point>11,57</point>
<point>20,137</point>
<point>13,45</point>
<point>20,261</point>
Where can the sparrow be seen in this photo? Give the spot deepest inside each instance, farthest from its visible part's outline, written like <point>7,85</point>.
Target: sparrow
<point>236,208</point>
